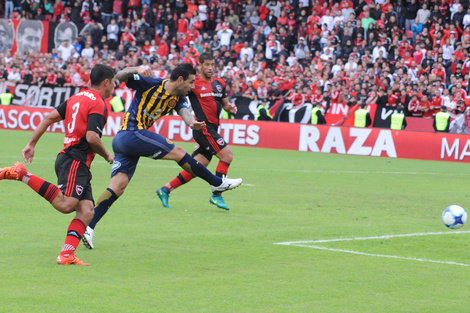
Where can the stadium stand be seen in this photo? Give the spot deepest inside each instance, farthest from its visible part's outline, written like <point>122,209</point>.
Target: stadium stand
<point>387,52</point>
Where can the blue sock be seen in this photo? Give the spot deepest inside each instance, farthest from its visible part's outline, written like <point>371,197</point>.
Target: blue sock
<point>105,200</point>
<point>199,170</point>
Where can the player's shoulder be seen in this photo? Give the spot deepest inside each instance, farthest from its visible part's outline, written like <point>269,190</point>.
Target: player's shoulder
<point>89,98</point>
<point>219,80</point>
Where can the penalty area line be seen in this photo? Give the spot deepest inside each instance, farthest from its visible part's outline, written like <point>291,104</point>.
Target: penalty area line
<point>382,255</point>
<point>310,244</point>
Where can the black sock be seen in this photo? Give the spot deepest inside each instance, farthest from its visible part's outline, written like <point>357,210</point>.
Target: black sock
<point>200,170</point>
<point>105,200</point>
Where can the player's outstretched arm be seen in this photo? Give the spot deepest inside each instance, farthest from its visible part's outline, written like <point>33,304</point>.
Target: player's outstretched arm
<point>96,144</point>
<point>28,151</point>
<point>124,74</point>
<point>189,119</point>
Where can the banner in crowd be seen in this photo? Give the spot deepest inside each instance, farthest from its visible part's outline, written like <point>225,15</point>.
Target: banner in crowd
<point>23,36</point>
<point>286,111</point>
<point>50,96</point>
<point>291,136</point>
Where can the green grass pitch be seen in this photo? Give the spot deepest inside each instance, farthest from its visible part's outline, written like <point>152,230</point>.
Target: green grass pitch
<point>197,258</point>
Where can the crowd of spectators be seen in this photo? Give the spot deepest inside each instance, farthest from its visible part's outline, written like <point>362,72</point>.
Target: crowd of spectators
<point>387,52</point>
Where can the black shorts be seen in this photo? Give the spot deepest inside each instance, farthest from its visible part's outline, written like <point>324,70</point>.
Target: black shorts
<point>209,141</point>
<point>73,178</point>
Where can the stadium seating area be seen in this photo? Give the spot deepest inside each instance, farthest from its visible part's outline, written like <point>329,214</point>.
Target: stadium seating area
<point>387,52</point>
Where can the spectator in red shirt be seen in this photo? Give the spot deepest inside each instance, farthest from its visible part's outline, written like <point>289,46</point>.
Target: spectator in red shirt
<point>182,24</point>
<point>413,107</point>
<point>426,107</point>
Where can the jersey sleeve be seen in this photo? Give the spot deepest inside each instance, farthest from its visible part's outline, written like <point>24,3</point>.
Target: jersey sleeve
<point>97,116</point>
<point>96,123</point>
<point>140,83</point>
<point>183,102</point>
<point>224,92</point>
<point>62,109</point>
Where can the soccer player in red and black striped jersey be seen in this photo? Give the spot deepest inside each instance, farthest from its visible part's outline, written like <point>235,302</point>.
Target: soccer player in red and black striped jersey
<point>208,97</point>
<point>84,115</point>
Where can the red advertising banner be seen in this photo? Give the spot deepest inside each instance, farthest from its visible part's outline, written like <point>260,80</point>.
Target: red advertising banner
<point>290,136</point>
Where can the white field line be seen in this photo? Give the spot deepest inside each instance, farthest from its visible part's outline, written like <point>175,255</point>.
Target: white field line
<point>168,164</point>
<point>307,244</point>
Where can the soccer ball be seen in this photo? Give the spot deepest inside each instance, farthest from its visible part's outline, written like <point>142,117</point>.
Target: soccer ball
<point>454,216</point>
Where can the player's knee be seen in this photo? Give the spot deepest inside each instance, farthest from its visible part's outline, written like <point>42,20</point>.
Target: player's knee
<point>179,152</point>
<point>88,214</point>
<point>66,205</point>
<point>226,157</point>
<point>64,208</point>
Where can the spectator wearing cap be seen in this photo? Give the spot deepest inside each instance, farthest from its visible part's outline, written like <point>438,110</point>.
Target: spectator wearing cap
<point>291,22</point>
<point>300,49</point>
<point>194,53</point>
<point>39,16</point>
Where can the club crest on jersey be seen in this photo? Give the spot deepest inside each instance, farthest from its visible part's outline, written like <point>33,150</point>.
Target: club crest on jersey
<point>79,189</point>
<point>220,141</point>
<point>172,103</point>
<point>219,88</point>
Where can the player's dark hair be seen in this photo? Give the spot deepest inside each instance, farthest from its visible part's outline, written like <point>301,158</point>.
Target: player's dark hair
<point>205,56</point>
<point>183,70</point>
<point>99,73</point>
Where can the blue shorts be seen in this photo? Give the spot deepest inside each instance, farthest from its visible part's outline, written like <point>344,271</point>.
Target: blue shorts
<point>130,145</point>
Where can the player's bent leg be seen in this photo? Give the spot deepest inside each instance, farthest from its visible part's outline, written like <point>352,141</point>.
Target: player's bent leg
<point>225,155</point>
<point>64,204</point>
<point>18,172</point>
<point>217,184</point>
<point>119,183</point>
<point>85,213</point>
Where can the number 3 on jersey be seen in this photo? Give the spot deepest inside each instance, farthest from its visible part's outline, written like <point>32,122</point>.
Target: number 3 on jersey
<point>75,108</point>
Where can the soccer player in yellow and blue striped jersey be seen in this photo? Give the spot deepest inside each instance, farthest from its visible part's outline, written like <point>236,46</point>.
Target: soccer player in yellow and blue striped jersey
<point>153,99</point>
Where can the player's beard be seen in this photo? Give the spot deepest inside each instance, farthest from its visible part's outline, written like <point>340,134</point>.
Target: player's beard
<point>207,76</point>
